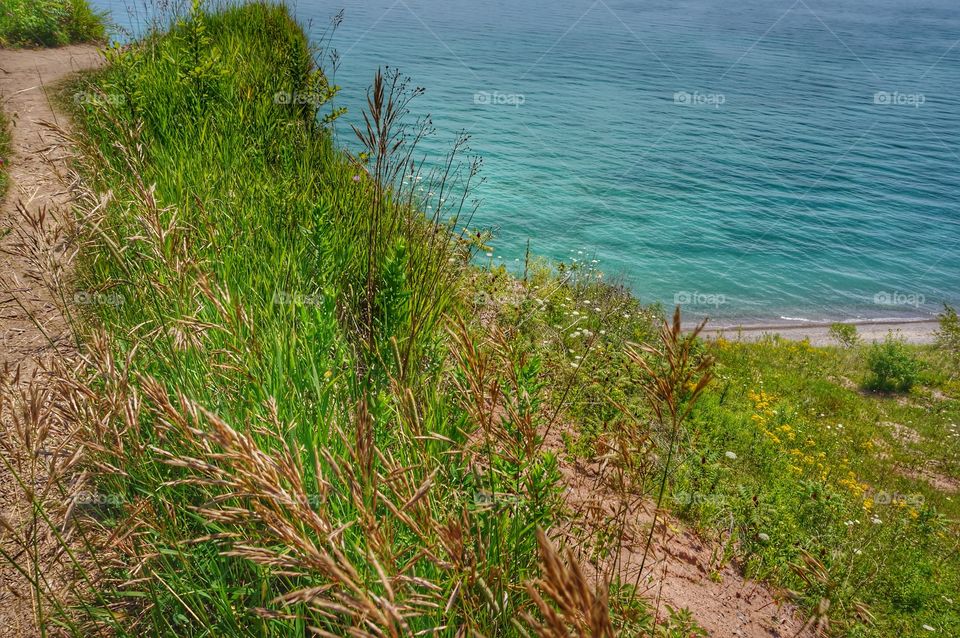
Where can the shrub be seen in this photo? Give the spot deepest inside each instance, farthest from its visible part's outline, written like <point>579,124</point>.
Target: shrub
<point>49,23</point>
<point>845,334</point>
<point>892,367</point>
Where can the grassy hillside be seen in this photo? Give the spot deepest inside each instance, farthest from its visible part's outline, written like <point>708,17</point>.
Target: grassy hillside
<point>304,408</point>
<point>247,266</point>
<point>49,23</point>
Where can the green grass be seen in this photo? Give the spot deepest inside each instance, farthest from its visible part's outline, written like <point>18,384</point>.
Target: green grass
<point>822,465</point>
<point>304,405</point>
<point>49,23</point>
<point>248,265</point>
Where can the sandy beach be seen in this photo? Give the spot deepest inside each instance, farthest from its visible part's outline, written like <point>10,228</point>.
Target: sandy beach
<point>917,332</point>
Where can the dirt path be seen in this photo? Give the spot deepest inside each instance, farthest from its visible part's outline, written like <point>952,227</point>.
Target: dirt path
<point>30,324</point>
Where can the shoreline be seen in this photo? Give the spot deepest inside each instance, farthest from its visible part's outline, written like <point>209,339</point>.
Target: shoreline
<point>913,331</point>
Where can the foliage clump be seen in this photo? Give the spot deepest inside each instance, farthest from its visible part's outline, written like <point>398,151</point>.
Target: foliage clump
<point>845,334</point>
<point>49,23</point>
<point>892,367</point>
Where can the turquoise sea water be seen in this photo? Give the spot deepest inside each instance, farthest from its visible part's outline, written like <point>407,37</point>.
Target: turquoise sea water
<point>758,160</point>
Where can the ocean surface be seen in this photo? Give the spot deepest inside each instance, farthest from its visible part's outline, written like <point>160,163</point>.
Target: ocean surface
<point>752,160</point>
